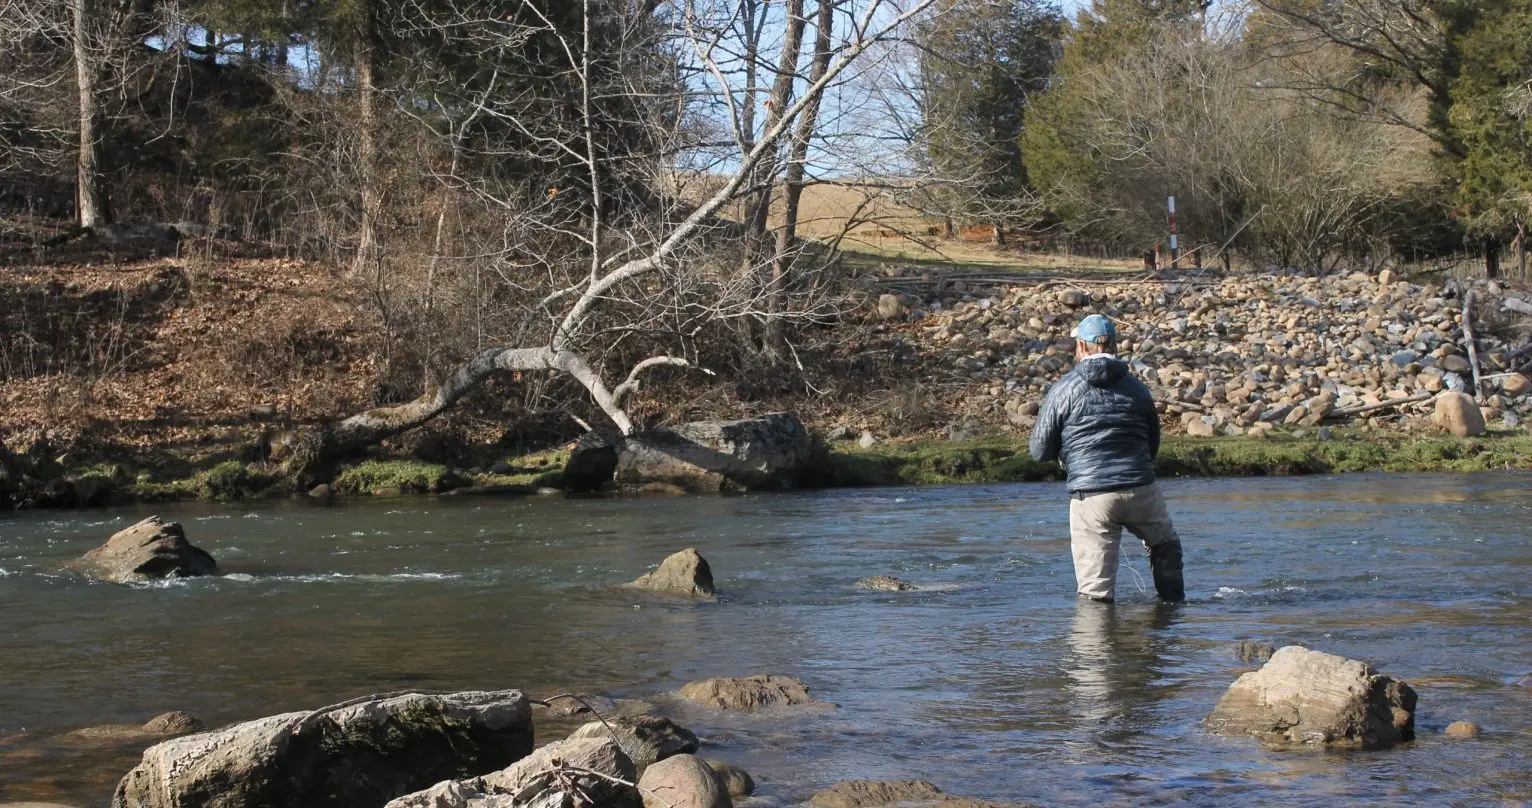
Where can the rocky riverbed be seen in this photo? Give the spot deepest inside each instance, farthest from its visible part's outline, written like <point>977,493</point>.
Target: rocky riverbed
<point>1229,355</point>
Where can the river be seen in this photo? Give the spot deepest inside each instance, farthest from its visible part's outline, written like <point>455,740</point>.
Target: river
<point>995,683</point>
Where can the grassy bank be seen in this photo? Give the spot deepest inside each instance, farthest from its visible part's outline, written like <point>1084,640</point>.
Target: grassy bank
<point>1001,459</point>
<point>1007,460</point>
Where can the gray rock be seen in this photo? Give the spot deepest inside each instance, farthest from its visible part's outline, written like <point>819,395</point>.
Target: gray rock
<point>891,306</point>
<point>150,550</point>
<point>748,693</point>
<point>1462,729</point>
<point>646,739</point>
<point>362,753</point>
<point>866,441</point>
<point>840,433</point>
<point>1302,697</point>
<point>681,573</point>
<point>1452,363</point>
<point>682,781</point>
<point>766,453</point>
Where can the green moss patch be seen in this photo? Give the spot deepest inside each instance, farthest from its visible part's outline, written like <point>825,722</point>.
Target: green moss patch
<point>395,477</point>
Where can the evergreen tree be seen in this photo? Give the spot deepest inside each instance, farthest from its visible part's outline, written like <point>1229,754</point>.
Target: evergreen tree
<point>982,61</point>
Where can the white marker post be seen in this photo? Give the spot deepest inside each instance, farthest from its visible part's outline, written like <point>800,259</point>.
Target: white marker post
<point>1175,247</point>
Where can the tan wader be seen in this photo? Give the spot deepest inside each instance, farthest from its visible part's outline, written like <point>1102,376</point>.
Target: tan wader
<point>1096,521</point>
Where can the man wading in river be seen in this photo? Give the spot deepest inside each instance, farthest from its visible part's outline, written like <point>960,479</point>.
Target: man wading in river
<point>1100,422</point>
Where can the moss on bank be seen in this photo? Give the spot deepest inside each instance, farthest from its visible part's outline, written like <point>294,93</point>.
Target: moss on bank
<point>1006,459</point>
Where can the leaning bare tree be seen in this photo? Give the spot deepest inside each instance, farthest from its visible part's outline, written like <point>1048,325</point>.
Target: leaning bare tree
<point>620,240</point>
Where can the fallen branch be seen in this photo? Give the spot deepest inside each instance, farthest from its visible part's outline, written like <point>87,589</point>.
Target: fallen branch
<point>1381,405</point>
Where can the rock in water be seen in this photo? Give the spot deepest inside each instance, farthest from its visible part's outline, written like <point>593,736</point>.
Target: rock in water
<point>885,583</point>
<point>1303,697</point>
<point>682,781</point>
<point>1457,413</point>
<point>646,739</point>
<point>766,453</point>
<point>363,753</point>
<point>734,780</point>
<point>1462,729</point>
<point>869,793</point>
<point>148,551</point>
<point>1254,652</point>
<point>748,693</point>
<point>682,573</point>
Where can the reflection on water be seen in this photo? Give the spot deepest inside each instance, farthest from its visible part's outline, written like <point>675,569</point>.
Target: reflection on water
<point>993,682</point>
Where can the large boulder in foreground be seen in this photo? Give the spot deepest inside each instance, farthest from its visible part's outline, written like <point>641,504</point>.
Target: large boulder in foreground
<point>1459,414</point>
<point>354,754</point>
<point>684,572</point>
<point>766,453</point>
<point>1303,697</point>
<point>559,774</point>
<point>148,551</point>
<point>748,693</point>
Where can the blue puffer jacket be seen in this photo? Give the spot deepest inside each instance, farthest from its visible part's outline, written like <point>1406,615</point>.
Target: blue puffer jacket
<point>1100,422</point>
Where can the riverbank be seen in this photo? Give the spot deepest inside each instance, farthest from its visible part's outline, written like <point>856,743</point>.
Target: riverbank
<point>123,477</point>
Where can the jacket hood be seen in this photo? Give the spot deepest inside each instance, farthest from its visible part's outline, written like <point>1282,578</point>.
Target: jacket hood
<point>1102,372</point>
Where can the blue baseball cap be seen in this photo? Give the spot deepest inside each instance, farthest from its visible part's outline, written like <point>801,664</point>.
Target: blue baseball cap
<point>1093,328</point>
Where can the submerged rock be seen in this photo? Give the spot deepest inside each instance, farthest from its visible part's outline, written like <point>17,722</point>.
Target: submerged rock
<point>1254,652</point>
<point>748,693</point>
<point>1462,729</point>
<point>682,781</point>
<point>645,739</point>
<point>1303,697</point>
<point>164,725</point>
<point>870,793</point>
<point>910,793</point>
<point>682,573</point>
<point>362,753</point>
<point>150,550</point>
<point>885,583</point>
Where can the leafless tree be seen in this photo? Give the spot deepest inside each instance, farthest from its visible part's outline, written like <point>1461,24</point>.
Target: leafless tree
<point>608,259</point>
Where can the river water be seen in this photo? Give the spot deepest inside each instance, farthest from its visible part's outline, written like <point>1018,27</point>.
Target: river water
<point>994,684</point>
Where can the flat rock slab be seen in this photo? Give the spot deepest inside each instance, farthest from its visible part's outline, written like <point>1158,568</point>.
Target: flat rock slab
<point>1309,698</point>
<point>361,753</point>
<point>148,551</point>
<point>766,453</point>
<point>750,693</point>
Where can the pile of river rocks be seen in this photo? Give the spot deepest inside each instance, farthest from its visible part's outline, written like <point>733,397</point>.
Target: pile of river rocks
<point>1231,355</point>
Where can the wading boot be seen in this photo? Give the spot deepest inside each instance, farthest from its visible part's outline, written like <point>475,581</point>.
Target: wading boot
<point>1165,563</point>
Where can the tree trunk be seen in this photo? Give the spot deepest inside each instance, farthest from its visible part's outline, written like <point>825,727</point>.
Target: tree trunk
<point>367,144</point>
<point>949,227</point>
<point>92,207</point>
<point>999,234</point>
<point>1491,257</point>
<point>781,94</point>
<point>793,181</point>
<point>1521,248</point>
